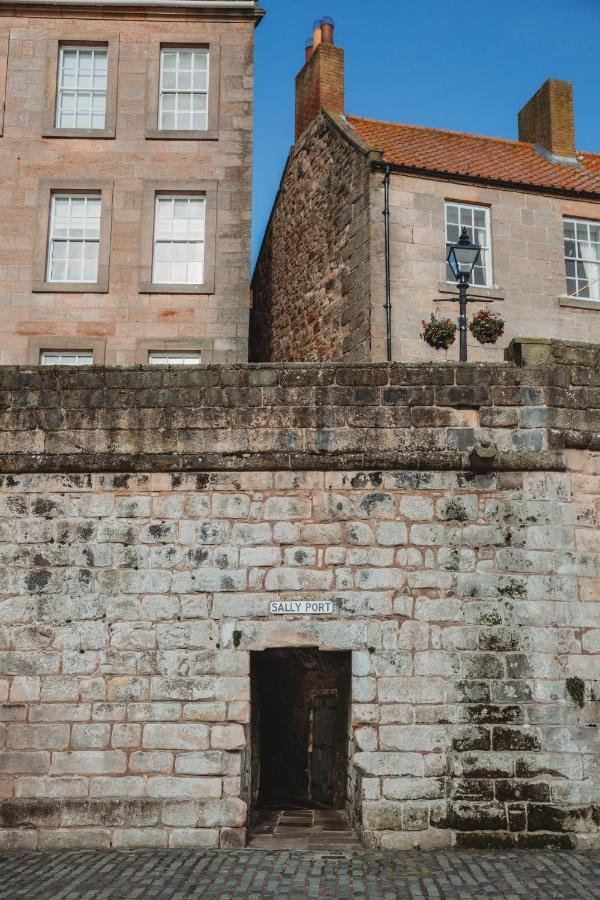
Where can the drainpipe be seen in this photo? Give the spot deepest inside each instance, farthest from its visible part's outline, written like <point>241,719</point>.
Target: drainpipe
<point>388,272</point>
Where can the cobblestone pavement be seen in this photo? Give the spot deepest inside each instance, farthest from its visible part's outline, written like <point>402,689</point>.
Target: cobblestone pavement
<point>229,875</point>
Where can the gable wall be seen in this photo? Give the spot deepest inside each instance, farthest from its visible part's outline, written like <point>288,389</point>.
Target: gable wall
<point>311,285</point>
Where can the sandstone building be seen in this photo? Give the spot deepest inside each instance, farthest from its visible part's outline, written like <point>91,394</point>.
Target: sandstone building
<point>125,152</point>
<point>320,284</point>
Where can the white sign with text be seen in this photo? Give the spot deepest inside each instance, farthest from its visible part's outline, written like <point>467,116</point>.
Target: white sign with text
<point>301,607</point>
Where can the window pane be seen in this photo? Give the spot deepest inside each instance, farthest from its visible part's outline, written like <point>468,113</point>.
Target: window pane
<point>582,258</point>
<point>58,270</point>
<point>466,216</point>
<point>169,59</point>
<point>200,60</point>
<point>178,239</point>
<point>195,273</point>
<point>82,83</point>
<point>594,232</point>
<point>174,359</point>
<point>571,286</point>
<point>184,82</point>
<point>183,89</point>
<point>67,358</point>
<point>74,237</point>
<point>74,270</point>
<point>90,270</point>
<point>178,273</point>
<point>476,220</point>
<point>162,273</point>
<point>200,82</point>
<point>480,236</point>
<point>199,102</point>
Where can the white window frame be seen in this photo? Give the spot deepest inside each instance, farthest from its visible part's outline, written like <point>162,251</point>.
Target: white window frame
<point>486,248</point>
<point>175,240</point>
<point>174,358</point>
<point>85,240</point>
<point>582,282</point>
<point>178,92</point>
<point>79,92</point>
<point>67,358</point>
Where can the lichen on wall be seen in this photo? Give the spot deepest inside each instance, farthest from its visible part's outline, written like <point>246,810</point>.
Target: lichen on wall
<point>131,602</point>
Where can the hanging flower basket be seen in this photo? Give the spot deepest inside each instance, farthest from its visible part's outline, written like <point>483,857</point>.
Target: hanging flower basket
<point>486,327</point>
<point>439,333</point>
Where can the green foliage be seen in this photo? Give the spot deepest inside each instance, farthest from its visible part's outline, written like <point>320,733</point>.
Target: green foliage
<point>237,638</point>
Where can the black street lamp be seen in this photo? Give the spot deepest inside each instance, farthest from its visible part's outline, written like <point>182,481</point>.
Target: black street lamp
<point>462,259</point>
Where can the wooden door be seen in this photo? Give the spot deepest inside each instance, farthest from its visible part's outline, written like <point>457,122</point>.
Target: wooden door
<point>324,718</point>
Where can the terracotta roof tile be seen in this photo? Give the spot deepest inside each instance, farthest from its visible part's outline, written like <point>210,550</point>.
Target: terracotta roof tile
<point>493,159</point>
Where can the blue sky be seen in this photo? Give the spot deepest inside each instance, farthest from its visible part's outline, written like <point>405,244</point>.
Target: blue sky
<point>467,66</point>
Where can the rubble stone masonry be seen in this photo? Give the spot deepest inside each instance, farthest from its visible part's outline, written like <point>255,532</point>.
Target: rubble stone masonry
<point>311,285</point>
<point>148,518</point>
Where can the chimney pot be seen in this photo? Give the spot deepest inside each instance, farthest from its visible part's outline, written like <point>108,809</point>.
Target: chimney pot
<point>548,119</point>
<point>316,33</point>
<point>327,30</point>
<point>320,83</point>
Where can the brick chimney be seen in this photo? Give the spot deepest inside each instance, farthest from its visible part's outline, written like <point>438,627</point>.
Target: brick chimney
<point>320,84</point>
<point>548,119</point>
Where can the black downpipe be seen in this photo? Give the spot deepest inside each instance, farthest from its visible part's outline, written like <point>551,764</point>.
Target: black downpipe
<point>388,270</point>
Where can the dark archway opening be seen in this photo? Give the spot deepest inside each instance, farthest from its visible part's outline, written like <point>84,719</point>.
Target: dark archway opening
<point>300,727</point>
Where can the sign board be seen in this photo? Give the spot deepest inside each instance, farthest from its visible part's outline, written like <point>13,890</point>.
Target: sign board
<point>301,607</point>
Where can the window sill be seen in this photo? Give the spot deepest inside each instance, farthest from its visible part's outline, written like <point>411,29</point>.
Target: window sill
<point>69,287</point>
<point>152,288</point>
<point>475,293</point>
<point>80,133</point>
<point>164,134</point>
<point>578,303</point>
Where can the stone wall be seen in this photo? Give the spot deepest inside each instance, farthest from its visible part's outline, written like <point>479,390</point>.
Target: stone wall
<point>130,604</point>
<point>311,286</point>
<point>304,416</point>
<point>463,565</point>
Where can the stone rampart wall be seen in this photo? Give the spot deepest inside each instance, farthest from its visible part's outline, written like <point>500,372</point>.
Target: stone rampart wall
<point>466,586</point>
<point>304,416</point>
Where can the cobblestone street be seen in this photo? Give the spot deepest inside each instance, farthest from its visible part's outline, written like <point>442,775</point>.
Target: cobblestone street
<point>229,875</point>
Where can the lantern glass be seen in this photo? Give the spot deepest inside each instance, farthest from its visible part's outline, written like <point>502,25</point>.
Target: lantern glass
<point>463,256</point>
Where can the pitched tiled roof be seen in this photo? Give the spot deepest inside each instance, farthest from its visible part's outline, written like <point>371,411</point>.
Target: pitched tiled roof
<point>491,159</point>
